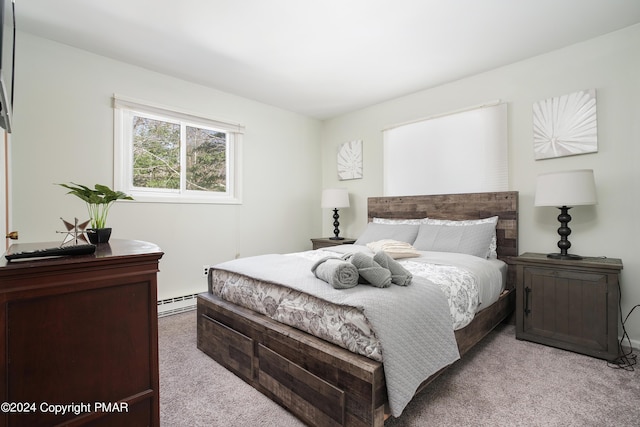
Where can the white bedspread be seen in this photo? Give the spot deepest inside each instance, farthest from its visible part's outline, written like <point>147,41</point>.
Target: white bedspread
<point>412,322</point>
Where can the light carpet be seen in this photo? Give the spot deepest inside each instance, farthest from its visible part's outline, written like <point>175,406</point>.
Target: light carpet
<point>501,382</point>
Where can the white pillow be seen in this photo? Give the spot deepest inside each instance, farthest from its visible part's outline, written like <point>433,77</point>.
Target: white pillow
<point>493,245</point>
<point>398,221</point>
<point>394,248</point>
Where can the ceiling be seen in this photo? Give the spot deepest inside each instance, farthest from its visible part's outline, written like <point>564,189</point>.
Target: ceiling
<point>326,57</point>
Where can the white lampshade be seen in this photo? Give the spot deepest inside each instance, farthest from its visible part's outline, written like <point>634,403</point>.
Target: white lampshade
<point>567,188</point>
<point>333,198</point>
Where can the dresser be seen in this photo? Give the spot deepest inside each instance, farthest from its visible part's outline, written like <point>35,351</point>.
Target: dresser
<point>569,304</point>
<point>79,335</point>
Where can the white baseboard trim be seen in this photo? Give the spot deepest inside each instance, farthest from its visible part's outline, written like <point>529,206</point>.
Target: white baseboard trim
<point>177,305</point>
<point>635,345</point>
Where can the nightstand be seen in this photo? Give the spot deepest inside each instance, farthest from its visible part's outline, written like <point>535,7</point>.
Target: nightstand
<point>325,242</point>
<point>569,304</point>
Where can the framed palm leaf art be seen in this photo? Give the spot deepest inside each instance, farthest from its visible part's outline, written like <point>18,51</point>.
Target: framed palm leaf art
<point>350,160</point>
<point>565,125</point>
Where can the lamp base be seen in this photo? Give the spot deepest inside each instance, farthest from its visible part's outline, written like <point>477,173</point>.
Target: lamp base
<point>336,224</point>
<point>565,256</point>
<point>564,231</point>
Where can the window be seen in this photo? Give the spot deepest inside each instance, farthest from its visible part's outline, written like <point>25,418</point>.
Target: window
<point>162,155</point>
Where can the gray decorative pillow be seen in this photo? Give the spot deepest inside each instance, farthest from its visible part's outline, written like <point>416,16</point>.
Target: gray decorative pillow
<point>401,232</point>
<point>472,239</point>
<point>493,246</point>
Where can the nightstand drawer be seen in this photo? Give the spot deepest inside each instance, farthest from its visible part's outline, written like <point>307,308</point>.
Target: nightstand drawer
<point>326,242</point>
<point>572,306</point>
<point>567,307</point>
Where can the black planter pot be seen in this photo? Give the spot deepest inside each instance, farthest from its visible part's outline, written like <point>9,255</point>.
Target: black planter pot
<point>98,235</point>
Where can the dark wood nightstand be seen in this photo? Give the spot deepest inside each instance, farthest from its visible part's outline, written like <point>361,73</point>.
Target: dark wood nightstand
<point>569,304</point>
<point>325,242</point>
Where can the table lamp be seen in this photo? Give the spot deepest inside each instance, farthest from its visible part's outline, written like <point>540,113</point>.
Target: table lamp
<point>565,190</point>
<point>334,198</point>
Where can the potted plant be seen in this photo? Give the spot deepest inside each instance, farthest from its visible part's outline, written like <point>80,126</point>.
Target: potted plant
<point>99,200</point>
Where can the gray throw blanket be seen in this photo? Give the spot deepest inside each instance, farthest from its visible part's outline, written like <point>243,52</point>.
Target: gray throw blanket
<point>371,273</point>
<point>337,272</point>
<point>413,323</point>
<point>399,275</point>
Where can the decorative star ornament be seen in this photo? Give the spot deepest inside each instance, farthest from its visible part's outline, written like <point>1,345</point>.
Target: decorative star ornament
<point>74,231</point>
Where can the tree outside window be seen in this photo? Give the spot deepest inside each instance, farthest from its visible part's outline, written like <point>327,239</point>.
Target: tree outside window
<point>175,156</point>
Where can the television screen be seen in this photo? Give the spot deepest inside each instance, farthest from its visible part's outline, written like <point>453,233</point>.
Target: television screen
<point>7,46</point>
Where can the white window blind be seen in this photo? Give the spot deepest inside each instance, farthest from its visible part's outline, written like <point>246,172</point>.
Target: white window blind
<point>460,152</point>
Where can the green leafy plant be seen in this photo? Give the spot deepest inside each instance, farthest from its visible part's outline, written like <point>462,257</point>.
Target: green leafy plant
<point>99,200</point>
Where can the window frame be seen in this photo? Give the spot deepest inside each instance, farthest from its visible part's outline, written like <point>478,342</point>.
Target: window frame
<point>125,108</point>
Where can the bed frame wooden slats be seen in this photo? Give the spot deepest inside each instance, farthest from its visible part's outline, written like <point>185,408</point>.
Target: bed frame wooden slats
<point>324,384</point>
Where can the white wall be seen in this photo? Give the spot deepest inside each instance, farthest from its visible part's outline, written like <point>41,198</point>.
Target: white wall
<point>609,64</point>
<point>63,131</point>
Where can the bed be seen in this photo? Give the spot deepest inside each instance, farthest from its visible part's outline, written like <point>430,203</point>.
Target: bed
<point>322,382</point>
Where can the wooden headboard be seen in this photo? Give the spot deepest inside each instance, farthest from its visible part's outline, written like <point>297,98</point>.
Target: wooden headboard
<point>504,204</point>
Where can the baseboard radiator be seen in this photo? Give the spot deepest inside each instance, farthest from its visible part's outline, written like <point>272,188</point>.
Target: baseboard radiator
<point>167,307</point>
